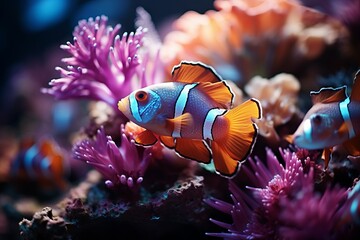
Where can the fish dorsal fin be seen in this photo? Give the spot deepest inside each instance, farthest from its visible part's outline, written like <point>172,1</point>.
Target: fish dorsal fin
<point>27,143</point>
<point>355,93</point>
<point>220,92</point>
<point>192,72</point>
<point>328,95</point>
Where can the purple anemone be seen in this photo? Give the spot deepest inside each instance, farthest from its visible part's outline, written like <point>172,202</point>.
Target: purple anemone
<point>282,205</point>
<point>103,65</point>
<point>124,165</point>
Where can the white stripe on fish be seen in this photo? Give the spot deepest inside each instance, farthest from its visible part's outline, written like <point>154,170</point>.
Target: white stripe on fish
<point>134,107</point>
<point>209,122</point>
<point>28,160</point>
<point>344,110</point>
<point>180,106</point>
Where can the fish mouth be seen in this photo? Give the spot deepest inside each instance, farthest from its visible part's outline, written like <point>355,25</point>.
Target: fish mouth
<point>122,105</point>
<point>301,141</point>
<point>297,140</point>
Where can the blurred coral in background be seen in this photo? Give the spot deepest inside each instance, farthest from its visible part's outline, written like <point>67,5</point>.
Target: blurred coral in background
<point>241,39</point>
<point>69,165</point>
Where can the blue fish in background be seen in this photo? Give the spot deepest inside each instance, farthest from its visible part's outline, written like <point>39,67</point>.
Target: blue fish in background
<point>42,163</point>
<point>333,121</point>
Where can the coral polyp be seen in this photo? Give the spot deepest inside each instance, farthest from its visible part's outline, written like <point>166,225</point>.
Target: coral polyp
<point>124,165</point>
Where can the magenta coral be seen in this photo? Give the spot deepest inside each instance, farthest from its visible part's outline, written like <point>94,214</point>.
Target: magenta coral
<point>125,165</point>
<point>282,205</point>
<point>103,65</point>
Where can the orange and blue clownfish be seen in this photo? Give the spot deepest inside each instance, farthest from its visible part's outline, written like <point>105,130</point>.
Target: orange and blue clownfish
<point>192,115</point>
<point>334,120</point>
<point>41,162</point>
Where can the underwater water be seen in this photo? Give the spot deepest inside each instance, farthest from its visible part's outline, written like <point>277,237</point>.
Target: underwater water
<point>232,119</point>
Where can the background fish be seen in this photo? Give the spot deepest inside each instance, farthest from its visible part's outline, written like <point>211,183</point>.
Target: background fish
<point>333,120</point>
<point>192,115</point>
<point>40,162</point>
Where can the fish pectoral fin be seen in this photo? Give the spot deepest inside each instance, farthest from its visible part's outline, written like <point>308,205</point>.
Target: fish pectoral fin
<point>167,141</point>
<point>183,121</point>
<point>326,156</point>
<point>224,164</point>
<point>194,149</point>
<point>328,95</point>
<point>219,92</point>
<point>191,72</point>
<point>242,131</point>
<point>145,138</point>
<point>343,130</point>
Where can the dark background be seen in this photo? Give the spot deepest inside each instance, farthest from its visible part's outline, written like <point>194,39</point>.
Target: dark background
<point>28,28</point>
<point>31,32</point>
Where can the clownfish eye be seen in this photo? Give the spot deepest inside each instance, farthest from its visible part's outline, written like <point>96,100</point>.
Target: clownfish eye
<point>141,96</point>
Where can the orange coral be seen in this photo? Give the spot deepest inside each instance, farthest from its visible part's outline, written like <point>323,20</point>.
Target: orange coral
<point>278,97</point>
<point>244,38</point>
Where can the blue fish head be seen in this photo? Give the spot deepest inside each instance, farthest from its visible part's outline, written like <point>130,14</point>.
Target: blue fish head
<point>144,104</point>
<point>315,132</point>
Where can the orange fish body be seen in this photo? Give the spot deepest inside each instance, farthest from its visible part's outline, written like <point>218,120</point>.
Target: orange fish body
<point>192,115</point>
<point>333,120</point>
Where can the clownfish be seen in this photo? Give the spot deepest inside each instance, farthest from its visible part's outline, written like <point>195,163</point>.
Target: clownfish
<point>40,162</point>
<point>333,120</point>
<point>192,115</point>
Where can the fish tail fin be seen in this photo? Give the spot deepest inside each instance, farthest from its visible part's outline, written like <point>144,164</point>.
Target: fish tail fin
<point>238,143</point>
<point>242,131</point>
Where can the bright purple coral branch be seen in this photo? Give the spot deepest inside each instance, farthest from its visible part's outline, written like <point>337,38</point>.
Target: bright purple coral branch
<point>283,204</point>
<point>104,66</point>
<point>125,165</point>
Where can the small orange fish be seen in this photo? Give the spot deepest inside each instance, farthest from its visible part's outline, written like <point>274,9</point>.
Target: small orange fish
<point>42,162</point>
<point>333,120</point>
<point>192,115</point>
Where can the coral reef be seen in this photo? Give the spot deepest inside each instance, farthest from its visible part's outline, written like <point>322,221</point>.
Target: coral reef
<point>121,166</point>
<point>274,51</point>
<point>282,203</point>
<point>179,211</point>
<point>44,226</point>
<point>278,97</point>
